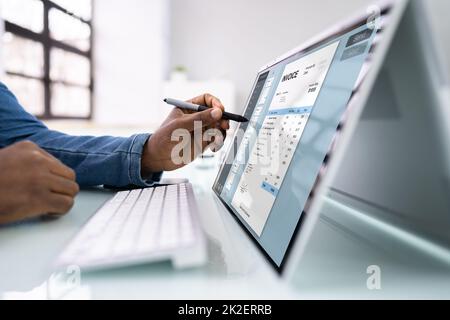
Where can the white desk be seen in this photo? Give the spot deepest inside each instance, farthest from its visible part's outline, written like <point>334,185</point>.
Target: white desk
<point>334,265</point>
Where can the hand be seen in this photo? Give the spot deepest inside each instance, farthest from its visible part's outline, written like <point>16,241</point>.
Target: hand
<point>203,130</point>
<point>33,183</point>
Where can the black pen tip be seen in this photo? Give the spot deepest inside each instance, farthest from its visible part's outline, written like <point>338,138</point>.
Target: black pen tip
<point>165,100</point>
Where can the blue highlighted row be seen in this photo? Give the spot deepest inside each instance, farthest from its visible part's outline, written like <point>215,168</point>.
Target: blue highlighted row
<point>269,188</point>
<point>287,111</point>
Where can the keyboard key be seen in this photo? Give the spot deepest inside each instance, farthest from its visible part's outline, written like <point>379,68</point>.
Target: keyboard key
<point>129,234</point>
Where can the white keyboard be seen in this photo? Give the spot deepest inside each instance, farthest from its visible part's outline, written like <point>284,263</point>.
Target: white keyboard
<point>141,226</point>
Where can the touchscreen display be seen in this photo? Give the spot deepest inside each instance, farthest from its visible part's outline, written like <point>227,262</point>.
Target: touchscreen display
<point>296,109</point>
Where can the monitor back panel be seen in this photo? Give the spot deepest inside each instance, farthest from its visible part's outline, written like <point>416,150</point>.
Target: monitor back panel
<point>396,161</point>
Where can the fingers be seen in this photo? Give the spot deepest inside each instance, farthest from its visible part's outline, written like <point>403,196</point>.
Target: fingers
<point>61,170</point>
<point>63,186</point>
<point>209,101</point>
<point>52,204</point>
<point>204,119</point>
<point>14,217</point>
<point>208,118</point>
<point>225,125</point>
<point>36,184</point>
<point>58,204</point>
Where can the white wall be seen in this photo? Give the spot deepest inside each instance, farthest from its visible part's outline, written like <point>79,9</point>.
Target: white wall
<point>131,56</point>
<point>213,38</point>
<point>233,38</point>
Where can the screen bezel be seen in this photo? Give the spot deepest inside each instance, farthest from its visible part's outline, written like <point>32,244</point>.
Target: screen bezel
<point>321,40</point>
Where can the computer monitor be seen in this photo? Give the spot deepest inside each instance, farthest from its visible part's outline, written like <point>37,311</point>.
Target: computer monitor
<point>304,109</point>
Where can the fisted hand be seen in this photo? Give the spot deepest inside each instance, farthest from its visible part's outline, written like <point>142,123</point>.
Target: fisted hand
<point>33,183</point>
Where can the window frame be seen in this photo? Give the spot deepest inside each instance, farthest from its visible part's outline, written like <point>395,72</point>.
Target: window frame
<point>45,39</point>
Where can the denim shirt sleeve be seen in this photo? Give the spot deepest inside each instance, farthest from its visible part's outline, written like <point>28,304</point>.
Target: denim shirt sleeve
<point>97,161</point>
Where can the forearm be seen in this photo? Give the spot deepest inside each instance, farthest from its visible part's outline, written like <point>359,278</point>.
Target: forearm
<point>96,160</point>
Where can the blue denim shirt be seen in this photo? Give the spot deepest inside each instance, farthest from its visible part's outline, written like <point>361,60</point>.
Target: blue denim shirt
<point>109,161</point>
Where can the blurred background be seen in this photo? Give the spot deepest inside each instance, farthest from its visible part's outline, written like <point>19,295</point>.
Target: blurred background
<point>104,66</point>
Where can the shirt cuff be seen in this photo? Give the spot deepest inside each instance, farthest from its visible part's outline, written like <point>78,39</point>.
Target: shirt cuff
<point>137,148</point>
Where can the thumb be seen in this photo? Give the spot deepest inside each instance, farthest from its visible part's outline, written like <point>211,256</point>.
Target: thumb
<point>207,118</point>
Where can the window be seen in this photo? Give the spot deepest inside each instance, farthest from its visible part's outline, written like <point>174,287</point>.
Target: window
<point>47,54</point>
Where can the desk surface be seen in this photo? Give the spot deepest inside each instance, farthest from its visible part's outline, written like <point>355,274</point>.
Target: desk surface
<point>334,265</point>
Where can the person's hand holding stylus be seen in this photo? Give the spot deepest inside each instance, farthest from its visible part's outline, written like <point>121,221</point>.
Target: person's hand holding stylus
<point>193,107</point>
<point>158,152</point>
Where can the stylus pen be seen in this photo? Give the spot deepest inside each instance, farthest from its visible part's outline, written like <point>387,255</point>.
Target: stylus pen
<point>199,108</point>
